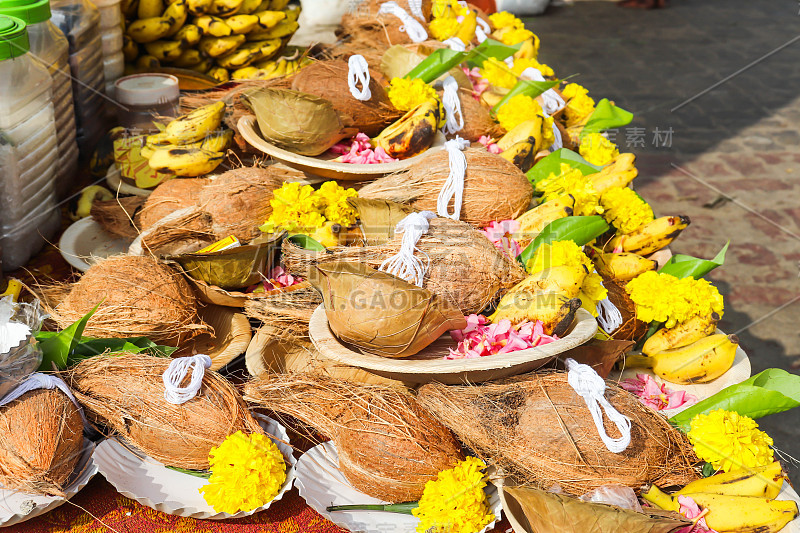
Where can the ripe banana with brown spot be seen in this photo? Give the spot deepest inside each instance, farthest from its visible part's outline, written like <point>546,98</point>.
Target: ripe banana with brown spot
<point>188,162</point>
<point>623,266</point>
<point>177,12</point>
<point>199,7</point>
<point>619,173</point>
<point>556,311</point>
<point>533,221</point>
<point>761,481</point>
<point>249,6</point>
<point>269,19</point>
<point>195,126</point>
<point>220,46</point>
<point>220,74</point>
<point>189,35</point>
<point>651,237</point>
<point>147,62</point>
<point>413,133</point>
<point>700,362</point>
<point>129,49</point>
<point>681,335</point>
<point>520,145</point>
<point>282,29</point>
<point>241,24</point>
<point>224,8</point>
<point>165,50</point>
<point>149,29</point>
<point>213,26</point>
<point>188,58</point>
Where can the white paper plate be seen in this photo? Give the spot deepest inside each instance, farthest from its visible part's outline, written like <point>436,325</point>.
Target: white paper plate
<point>152,484</point>
<point>321,484</point>
<point>16,506</point>
<point>85,241</point>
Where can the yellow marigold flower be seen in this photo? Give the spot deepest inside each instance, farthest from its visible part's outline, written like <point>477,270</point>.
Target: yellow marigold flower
<point>572,181</point>
<point>520,64</point>
<point>558,253</point>
<point>517,35</point>
<point>407,94</point>
<point>665,298</point>
<point>571,90</point>
<point>730,441</point>
<point>455,502</point>
<point>498,74</point>
<point>332,199</point>
<point>593,287</point>
<point>299,208</point>
<point>504,19</point>
<point>517,110</point>
<point>247,471</point>
<point>598,150</point>
<point>443,28</point>
<point>548,137</point>
<point>625,210</point>
<point>580,105</point>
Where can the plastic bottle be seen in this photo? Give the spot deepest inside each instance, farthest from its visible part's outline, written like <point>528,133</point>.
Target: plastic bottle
<point>28,148</point>
<point>111,34</point>
<point>80,22</point>
<point>49,45</point>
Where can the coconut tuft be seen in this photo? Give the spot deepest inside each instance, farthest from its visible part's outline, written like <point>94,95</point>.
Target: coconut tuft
<point>289,308</point>
<point>388,446</point>
<point>378,31</point>
<point>41,441</point>
<point>136,296</point>
<point>125,393</point>
<point>477,119</point>
<point>170,196</point>
<point>118,217</point>
<point>328,79</point>
<point>463,265</point>
<point>494,189</point>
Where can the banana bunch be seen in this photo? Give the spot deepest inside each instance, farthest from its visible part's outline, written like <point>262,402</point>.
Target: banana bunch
<point>698,361</point>
<point>651,237</point>
<point>269,69</point>
<point>521,144</point>
<point>735,502</point>
<point>413,133</point>
<point>213,37</point>
<point>191,145</point>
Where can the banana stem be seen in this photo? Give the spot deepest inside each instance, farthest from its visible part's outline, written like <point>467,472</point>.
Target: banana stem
<point>401,508</point>
<point>654,326</point>
<point>661,499</point>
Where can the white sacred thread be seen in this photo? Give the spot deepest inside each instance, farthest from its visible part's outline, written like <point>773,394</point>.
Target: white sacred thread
<point>358,72</point>
<point>454,186</point>
<point>552,102</point>
<point>411,26</point>
<point>41,381</point>
<point>175,374</point>
<point>452,107</point>
<point>404,264</point>
<point>455,44</point>
<point>416,9</point>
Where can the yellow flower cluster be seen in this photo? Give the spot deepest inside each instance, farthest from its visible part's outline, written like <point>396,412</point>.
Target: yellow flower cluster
<point>455,502</point>
<point>567,253</point>
<point>730,441</point>
<point>407,94</point>
<point>572,181</point>
<point>517,110</point>
<point>443,28</point>
<point>625,210</point>
<point>520,64</point>
<point>247,471</point>
<point>300,208</point>
<point>548,137</point>
<point>504,19</point>
<point>498,74</point>
<point>597,150</point>
<point>580,105</point>
<point>517,35</point>
<point>665,298</point>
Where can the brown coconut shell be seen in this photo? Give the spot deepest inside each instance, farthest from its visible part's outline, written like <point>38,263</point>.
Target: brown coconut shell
<point>125,393</point>
<point>631,328</point>
<point>380,31</point>
<point>540,432</point>
<point>136,296</point>
<point>463,265</point>
<point>118,217</point>
<point>41,441</point>
<point>477,119</point>
<point>170,196</point>
<point>388,446</point>
<point>427,7</point>
<point>494,189</point>
<point>328,79</point>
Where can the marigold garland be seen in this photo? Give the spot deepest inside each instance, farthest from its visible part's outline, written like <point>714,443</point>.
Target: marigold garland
<point>504,19</point>
<point>300,208</point>
<point>625,210</point>
<point>665,298</point>
<point>572,181</point>
<point>730,441</point>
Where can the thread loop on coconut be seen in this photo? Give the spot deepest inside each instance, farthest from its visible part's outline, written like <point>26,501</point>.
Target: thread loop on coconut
<point>453,187</point>
<point>175,374</point>
<point>591,387</point>
<point>551,101</point>
<point>41,381</point>
<point>411,26</point>
<point>404,264</point>
<point>609,317</point>
<point>416,9</point>
<point>455,44</point>
<point>483,30</point>
<point>452,107</point>
<point>359,72</point>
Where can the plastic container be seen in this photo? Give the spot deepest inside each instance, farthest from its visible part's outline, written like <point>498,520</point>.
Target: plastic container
<point>111,32</point>
<point>80,22</point>
<point>145,97</point>
<point>28,148</point>
<point>49,45</point>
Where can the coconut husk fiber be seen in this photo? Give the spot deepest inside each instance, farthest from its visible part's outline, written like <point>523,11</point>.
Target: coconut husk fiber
<point>136,296</point>
<point>41,441</point>
<point>125,393</point>
<point>388,445</point>
<point>477,119</point>
<point>118,217</point>
<point>289,309</point>
<point>427,7</point>
<point>494,189</point>
<point>631,328</point>
<point>328,79</point>
<point>168,197</point>
<point>381,31</point>
<point>464,266</point>
<point>539,432</point>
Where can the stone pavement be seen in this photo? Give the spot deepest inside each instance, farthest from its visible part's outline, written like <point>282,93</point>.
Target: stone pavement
<point>733,165</point>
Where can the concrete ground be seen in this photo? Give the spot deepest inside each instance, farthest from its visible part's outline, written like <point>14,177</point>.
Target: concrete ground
<point>722,77</point>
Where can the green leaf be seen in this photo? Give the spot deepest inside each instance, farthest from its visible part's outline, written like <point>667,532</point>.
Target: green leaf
<point>90,347</point>
<point>57,348</point>
<point>528,88</point>
<point>605,117</point>
<point>436,64</point>
<point>772,391</point>
<point>304,241</point>
<point>682,266</point>
<point>708,470</point>
<point>552,165</point>
<point>400,508</point>
<point>490,48</point>
<point>196,473</point>
<point>580,230</point>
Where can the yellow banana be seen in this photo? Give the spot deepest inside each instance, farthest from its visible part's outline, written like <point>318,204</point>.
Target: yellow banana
<point>219,46</point>
<point>165,50</point>
<point>555,310</point>
<point>241,24</point>
<point>88,196</point>
<point>277,72</point>
<point>699,362</point>
<point>195,126</point>
<point>292,67</point>
<point>282,29</point>
<point>762,481</point>
<point>413,133</point>
<point>189,35</point>
<point>223,8</point>
<point>623,266</point>
<point>520,145</point>
<point>292,13</point>
<point>466,30</point>
<point>129,49</point>
<point>245,73</point>
<point>198,7</point>
<point>217,141</point>
<point>189,162</point>
<point>237,59</point>
<point>130,8</point>
<point>154,142</point>
<point>177,12</point>
<point>277,5</point>
<point>213,26</point>
<point>535,220</point>
<point>220,74</point>
<point>565,280</point>
<point>147,62</point>
<point>651,237</point>
<point>188,58</point>
<point>527,50</point>
<point>149,29</point>
<point>249,6</point>
<point>681,335</point>
<point>149,8</point>
<point>201,67</point>
<point>619,173</point>
<point>262,50</point>
<point>269,19</point>
<point>13,289</point>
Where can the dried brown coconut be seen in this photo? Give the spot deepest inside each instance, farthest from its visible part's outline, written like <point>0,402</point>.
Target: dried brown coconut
<point>380,31</point>
<point>328,79</point>
<point>539,431</point>
<point>388,446</point>
<point>168,197</point>
<point>125,393</point>
<point>41,441</point>
<point>118,217</point>
<point>477,119</point>
<point>464,266</point>
<point>494,189</point>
